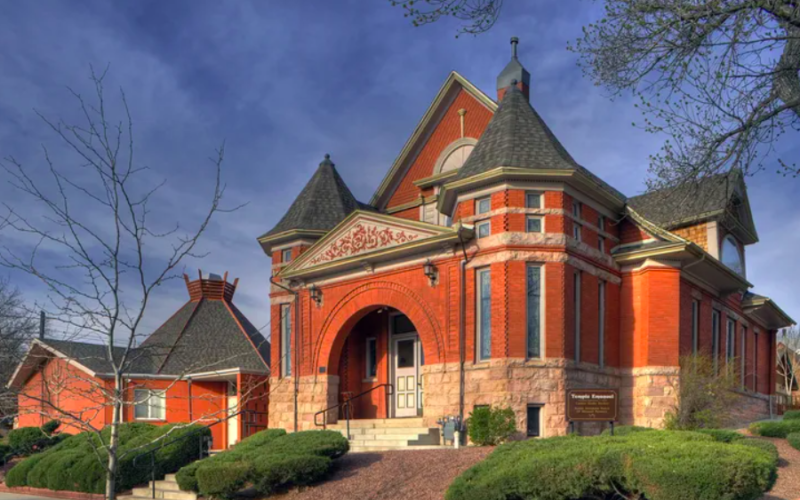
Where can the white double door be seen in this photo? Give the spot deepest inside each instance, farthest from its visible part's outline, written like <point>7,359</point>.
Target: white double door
<point>406,360</point>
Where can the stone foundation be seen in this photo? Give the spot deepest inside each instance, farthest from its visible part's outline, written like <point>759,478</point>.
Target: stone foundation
<point>647,394</point>
<point>315,393</point>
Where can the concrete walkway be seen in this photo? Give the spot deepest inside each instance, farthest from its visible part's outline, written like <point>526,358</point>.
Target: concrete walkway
<point>16,496</point>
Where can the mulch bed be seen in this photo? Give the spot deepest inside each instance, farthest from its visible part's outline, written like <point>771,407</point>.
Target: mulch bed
<point>788,485</point>
<point>393,475</point>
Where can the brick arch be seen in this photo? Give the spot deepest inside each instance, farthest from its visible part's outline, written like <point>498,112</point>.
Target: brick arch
<point>365,299</point>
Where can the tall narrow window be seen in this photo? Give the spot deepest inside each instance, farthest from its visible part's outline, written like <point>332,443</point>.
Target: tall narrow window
<point>755,361</point>
<point>695,325</point>
<point>286,340</point>
<point>534,420</point>
<point>286,255</point>
<point>534,317</point>
<point>576,209</point>
<point>372,357</point>
<point>730,341</point>
<point>744,355</point>
<point>576,298</point>
<point>484,316</point>
<point>715,337</point>
<point>576,231</point>
<point>601,319</point>
<point>601,244</point>
<point>601,223</point>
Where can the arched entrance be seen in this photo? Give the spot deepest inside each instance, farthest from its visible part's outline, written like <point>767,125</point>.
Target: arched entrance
<point>376,340</point>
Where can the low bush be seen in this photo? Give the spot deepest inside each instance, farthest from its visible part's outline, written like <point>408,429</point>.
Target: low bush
<point>794,440</point>
<point>50,427</point>
<point>625,430</point>
<point>78,463</point>
<point>659,465</point>
<point>778,429</point>
<point>5,451</point>
<point>766,446</point>
<point>721,435</point>
<point>792,415</point>
<point>223,480</point>
<point>489,426</point>
<point>29,440</point>
<point>271,460</point>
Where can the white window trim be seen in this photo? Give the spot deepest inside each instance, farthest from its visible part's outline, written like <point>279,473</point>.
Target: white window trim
<point>483,223</point>
<point>286,340</point>
<point>695,325</point>
<point>368,377</point>
<point>541,224</point>
<point>152,394</point>
<point>577,300</point>
<point>478,317</point>
<point>283,255</point>
<point>601,327</point>
<point>478,202</point>
<point>538,193</point>
<point>541,311</point>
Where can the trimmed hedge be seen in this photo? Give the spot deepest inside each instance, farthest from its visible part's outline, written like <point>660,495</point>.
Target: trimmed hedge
<point>792,415</point>
<point>721,435</point>
<point>5,450</point>
<point>489,426</point>
<point>626,430</point>
<point>794,440</point>
<point>661,465</point>
<point>271,460</point>
<point>50,427</point>
<point>75,464</point>
<point>778,429</point>
<point>29,440</point>
<point>761,444</point>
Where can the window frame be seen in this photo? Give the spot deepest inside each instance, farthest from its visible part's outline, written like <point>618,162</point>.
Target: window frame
<point>530,218</point>
<point>538,194</point>
<point>286,340</point>
<point>478,202</point>
<point>540,411</point>
<point>601,223</point>
<point>540,333</point>
<point>743,367</point>
<point>739,253</point>
<point>715,331</point>
<point>152,394</point>
<point>601,244</point>
<point>730,340</point>
<point>284,253</point>
<point>480,346</point>
<point>576,231</point>
<point>371,359</point>
<point>484,223</point>
<point>695,326</point>
<point>576,298</point>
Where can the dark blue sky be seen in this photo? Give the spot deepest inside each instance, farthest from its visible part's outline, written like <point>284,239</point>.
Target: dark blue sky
<point>285,82</point>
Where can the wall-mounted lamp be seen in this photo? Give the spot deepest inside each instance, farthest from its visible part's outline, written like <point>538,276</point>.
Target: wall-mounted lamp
<point>430,271</point>
<point>316,294</point>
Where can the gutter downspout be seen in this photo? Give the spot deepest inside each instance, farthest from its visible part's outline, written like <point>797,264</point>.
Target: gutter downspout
<point>296,344</point>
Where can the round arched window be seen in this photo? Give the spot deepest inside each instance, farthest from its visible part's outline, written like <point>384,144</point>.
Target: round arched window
<point>457,157</point>
<point>732,255</point>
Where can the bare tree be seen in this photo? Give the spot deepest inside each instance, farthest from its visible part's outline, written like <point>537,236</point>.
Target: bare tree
<point>97,247</point>
<point>721,79</point>
<point>17,326</point>
<point>789,360</point>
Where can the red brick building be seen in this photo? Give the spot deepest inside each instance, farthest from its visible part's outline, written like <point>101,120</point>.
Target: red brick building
<point>206,364</point>
<point>490,268</point>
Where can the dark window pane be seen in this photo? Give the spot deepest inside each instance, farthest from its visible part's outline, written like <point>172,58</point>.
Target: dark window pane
<point>402,324</point>
<point>485,287</point>
<point>534,414</point>
<point>405,353</point>
<point>534,225</point>
<point>372,358</point>
<point>533,200</point>
<point>534,311</point>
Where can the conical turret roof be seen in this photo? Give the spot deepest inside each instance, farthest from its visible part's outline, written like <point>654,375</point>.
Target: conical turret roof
<point>323,203</point>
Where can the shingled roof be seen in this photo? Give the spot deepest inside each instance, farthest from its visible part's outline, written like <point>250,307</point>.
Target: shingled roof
<point>688,202</point>
<point>323,203</point>
<point>92,356</point>
<point>518,137</point>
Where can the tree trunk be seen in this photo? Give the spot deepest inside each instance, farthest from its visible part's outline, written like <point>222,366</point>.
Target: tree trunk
<point>113,443</point>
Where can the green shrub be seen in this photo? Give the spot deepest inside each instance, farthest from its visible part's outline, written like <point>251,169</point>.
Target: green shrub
<point>275,461</point>
<point>705,396</point>
<point>778,429</point>
<point>50,427</point>
<point>273,473</point>
<point>489,426</point>
<point>792,415</point>
<point>658,465</point>
<point>721,435</point>
<point>625,430</point>
<point>223,480</point>
<point>78,462</point>
<point>794,440</point>
<point>5,451</point>
<point>761,444</point>
<point>30,440</point>
<point>187,476</point>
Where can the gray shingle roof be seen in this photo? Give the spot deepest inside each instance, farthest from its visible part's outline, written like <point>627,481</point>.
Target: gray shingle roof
<point>687,202</point>
<point>92,356</point>
<point>323,203</point>
<point>518,137</point>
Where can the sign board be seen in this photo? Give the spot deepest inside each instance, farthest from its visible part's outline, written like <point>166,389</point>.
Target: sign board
<point>592,405</point>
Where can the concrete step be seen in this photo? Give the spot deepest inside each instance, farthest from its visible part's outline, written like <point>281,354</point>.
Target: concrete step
<point>164,494</point>
<point>387,437</point>
<point>371,449</point>
<point>377,423</point>
<point>166,484</point>
<point>385,431</point>
<point>170,477</point>
<point>422,441</point>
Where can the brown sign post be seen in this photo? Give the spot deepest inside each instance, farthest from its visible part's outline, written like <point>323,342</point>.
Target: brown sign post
<point>592,405</point>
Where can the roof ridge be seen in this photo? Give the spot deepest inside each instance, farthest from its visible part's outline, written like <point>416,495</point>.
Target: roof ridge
<point>180,335</point>
<point>230,308</point>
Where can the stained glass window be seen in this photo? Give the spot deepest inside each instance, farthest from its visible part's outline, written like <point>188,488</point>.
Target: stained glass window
<point>484,314</point>
<point>534,311</point>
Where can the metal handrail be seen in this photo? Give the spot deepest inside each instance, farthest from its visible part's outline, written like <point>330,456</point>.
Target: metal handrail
<point>202,442</point>
<point>348,405</point>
